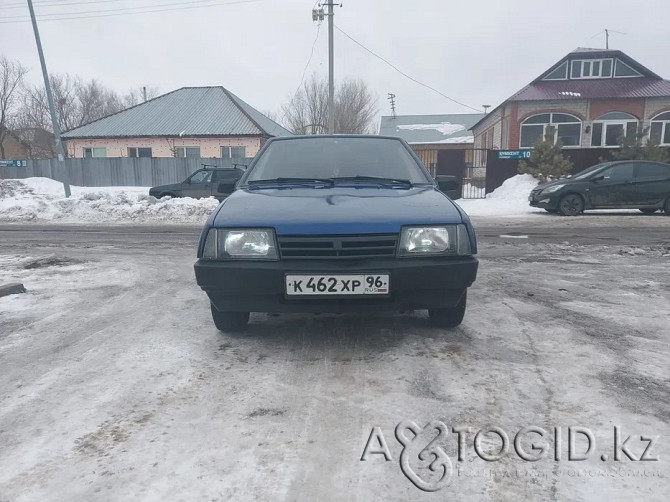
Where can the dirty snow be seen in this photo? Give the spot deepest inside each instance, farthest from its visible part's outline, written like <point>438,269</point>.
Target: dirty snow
<point>43,199</point>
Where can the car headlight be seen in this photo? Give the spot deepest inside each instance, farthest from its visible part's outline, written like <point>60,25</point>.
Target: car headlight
<point>432,241</point>
<point>241,244</point>
<point>552,189</point>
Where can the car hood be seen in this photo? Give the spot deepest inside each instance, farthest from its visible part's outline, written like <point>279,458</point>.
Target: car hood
<point>162,188</point>
<point>337,210</point>
<point>564,181</point>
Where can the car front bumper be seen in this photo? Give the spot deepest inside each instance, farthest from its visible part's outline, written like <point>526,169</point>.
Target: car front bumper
<point>423,283</point>
<point>544,201</point>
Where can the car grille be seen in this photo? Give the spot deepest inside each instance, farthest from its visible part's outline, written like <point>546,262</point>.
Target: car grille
<point>337,246</point>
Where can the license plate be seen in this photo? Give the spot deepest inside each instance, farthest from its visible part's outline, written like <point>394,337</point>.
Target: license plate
<point>324,285</point>
<point>530,198</point>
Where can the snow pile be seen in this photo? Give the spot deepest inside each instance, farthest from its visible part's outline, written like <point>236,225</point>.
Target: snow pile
<point>509,199</point>
<point>43,199</point>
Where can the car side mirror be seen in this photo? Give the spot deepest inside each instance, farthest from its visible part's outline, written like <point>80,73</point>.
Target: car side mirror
<point>226,187</point>
<point>449,185</point>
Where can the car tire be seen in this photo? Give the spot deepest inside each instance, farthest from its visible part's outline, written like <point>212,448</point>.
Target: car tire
<point>229,321</point>
<point>571,204</point>
<point>648,210</point>
<point>666,206</point>
<point>449,318</point>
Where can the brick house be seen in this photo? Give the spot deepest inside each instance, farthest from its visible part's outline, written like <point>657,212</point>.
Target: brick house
<point>189,122</point>
<point>591,97</point>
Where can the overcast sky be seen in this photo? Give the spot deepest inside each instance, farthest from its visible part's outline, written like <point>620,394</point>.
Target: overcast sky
<point>477,52</point>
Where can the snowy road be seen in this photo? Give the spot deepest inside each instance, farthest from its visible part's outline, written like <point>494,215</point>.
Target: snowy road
<point>115,385</point>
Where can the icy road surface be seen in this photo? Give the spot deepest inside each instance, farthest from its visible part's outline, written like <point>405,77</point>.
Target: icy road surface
<point>115,385</point>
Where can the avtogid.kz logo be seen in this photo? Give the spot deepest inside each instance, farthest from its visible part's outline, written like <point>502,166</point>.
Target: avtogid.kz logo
<point>424,461</point>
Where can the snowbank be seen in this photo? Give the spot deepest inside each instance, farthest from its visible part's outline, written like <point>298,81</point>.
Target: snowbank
<point>43,199</point>
<point>510,199</point>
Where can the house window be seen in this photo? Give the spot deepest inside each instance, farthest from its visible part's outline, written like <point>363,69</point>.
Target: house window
<point>591,68</point>
<point>136,152</point>
<point>659,131</point>
<point>95,152</point>
<point>187,151</point>
<point>621,69</point>
<point>233,152</point>
<point>567,128</point>
<point>560,73</point>
<point>609,128</point>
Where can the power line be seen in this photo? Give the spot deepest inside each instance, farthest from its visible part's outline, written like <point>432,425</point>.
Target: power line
<point>318,30</point>
<point>59,3</point>
<point>403,73</point>
<point>124,11</point>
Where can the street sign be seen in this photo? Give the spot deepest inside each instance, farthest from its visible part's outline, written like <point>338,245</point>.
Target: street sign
<point>13,163</point>
<point>513,154</point>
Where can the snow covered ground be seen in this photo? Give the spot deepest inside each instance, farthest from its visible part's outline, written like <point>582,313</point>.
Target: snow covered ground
<point>116,385</point>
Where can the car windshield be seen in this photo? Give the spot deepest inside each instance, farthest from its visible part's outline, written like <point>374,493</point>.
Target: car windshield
<point>356,160</point>
<point>589,171</point>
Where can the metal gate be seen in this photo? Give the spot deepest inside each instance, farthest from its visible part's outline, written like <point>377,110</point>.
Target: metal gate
<point>469,166</point>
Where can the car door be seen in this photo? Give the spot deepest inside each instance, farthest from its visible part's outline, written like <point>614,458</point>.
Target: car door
<point>613,187</point>
<point>198,185</point>
<point>224,176</point>
<point>652,183</point>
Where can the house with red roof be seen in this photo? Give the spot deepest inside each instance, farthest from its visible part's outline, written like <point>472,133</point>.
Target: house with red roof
<point>591,97</point>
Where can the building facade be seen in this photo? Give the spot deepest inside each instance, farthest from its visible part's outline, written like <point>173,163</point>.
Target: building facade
<point>189,122</point>
<point>591,98</point>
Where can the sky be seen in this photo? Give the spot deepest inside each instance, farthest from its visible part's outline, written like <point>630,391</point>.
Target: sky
<point>476,52</point>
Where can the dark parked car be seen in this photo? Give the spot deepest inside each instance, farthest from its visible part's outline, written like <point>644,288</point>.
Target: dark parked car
<point>337,224</point>
<point>623,184</point>
<point>202,183</point>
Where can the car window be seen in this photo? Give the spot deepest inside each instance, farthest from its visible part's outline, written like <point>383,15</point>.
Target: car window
<point>337,157</point>
<point>644,170</point>
<point>201,177</point>
<point>619,172</point>
<point>228,175</point>
<point>587,172</point>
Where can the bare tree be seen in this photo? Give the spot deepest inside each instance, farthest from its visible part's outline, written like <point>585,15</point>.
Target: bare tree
<point>11,79</point>
<point>135,96</point>
<point>307,111</point>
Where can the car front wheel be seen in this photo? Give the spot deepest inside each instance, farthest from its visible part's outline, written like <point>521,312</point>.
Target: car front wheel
<point>648,210</point>
<point>449,318</point>
<point>666,206</point>
<point>571,205</point>
<point>229,321</point>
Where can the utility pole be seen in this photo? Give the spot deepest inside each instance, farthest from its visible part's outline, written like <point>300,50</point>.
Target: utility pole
<point>50,99</point>
<point>144,93</point>
<point>318,15</point>
<point>391,98</point>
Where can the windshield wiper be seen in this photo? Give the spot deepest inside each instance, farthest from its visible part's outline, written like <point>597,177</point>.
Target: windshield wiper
<point>290,181</point>
<point>373,179</point>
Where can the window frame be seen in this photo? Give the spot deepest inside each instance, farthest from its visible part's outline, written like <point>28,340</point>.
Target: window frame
<point>229,151</point>
<point>92,149</point>
<point>624,122</point>
<point>665,127</point>
<point>591,62</point>
<point>137,152</point>
<point>185,149</point>
<point>555,125</point>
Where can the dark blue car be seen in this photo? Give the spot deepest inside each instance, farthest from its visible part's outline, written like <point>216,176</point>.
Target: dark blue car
<point>336,224</point>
